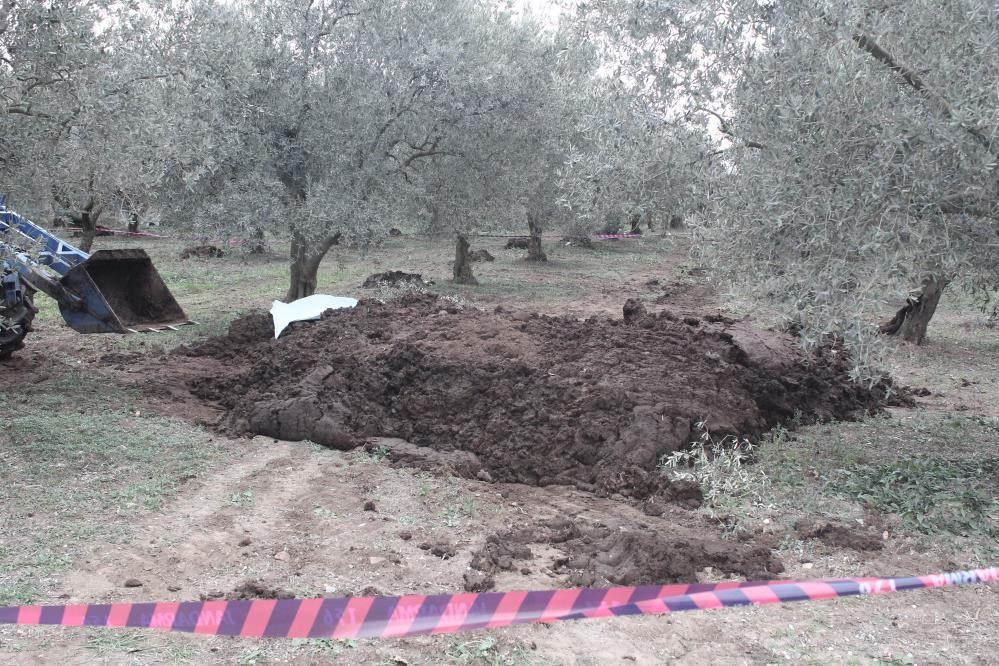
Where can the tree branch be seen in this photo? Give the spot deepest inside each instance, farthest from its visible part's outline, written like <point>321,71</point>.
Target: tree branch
<point>915,81</point>
<point>22,110</point>
<point>727,131</point>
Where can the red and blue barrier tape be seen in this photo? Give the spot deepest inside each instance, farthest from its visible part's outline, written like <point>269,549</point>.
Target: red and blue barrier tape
<point>384,617</point>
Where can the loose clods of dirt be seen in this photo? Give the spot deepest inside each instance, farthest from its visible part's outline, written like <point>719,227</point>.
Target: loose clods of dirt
<point>630,554</point>
<point>480,255</point>
<point>252,589</point>
<point>202,252</point>
<point>395,279</point>
<point>478,581</point>
<point>442,549</point>
<point>839,535</point>
<point>530,399</point>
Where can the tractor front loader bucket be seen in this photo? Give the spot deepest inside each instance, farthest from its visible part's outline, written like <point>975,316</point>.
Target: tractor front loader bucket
<point>121,292</point>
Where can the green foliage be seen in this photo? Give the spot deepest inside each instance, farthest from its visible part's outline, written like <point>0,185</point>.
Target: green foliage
<point>718,466</point>
<point>931,494</point>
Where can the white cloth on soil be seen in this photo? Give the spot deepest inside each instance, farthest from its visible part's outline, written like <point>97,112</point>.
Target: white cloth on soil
<point>305,309</point>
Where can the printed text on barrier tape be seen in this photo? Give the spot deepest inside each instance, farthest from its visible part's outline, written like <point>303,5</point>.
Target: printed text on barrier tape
<point>367,617</point>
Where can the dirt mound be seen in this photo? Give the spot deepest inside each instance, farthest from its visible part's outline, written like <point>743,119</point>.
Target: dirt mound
<point>596,554</point>
<point>202,252</point>
<point>529,399</point>
<point>836,534</point>
<point>395,279</point>
<point>480,255</point>
<point>252,589</point>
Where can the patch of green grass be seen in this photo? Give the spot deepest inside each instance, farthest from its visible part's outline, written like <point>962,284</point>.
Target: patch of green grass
<point>323,513</point>
<point>244,498</point>
<point>18,593</point>
<point>72,471</point>
<point>331,647</point>
<point>491,651</point>
<point>931,494</point>
<point>112,641</point>
<point>183,653</point>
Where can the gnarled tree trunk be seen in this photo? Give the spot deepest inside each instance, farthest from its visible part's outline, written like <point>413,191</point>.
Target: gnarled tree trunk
<point>462,262</point>
<point>305,260</point>
<point>534,250</point>
<point>911,321</point>
<point>636,224</point>
<point>87,220</point>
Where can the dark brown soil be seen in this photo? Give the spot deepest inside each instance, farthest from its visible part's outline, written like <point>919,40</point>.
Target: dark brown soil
<point>524,398</point>
<point>395,279</point>
<point>202,252</point>
<point>480,255</point>
<point>835,534</point>
<point>252,589</point>
<point>596,554</point>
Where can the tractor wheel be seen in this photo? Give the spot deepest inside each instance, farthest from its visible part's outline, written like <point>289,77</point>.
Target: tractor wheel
<point>15,323</point>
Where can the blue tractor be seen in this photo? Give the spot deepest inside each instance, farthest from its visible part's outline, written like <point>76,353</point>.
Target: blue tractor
<point>109,291</point>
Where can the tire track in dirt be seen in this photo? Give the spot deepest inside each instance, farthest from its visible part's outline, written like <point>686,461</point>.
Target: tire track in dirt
<point>197,535</point>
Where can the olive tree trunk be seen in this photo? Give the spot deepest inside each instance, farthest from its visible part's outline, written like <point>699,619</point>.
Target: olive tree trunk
<point>87,219</point>
<point>911,321</point>
<point>636,224</point>
<point>535,252</point>
<point>305,260</point>
<point>462,262</point>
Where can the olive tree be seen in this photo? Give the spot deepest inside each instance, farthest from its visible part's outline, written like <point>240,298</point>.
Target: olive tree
<point>871,160</point>
<point>320,118</point>
<point>73,108</point>
<point>856,140</point>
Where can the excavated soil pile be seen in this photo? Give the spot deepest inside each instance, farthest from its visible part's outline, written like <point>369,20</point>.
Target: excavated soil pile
<point>520,398</point>
<point>597,554</point>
